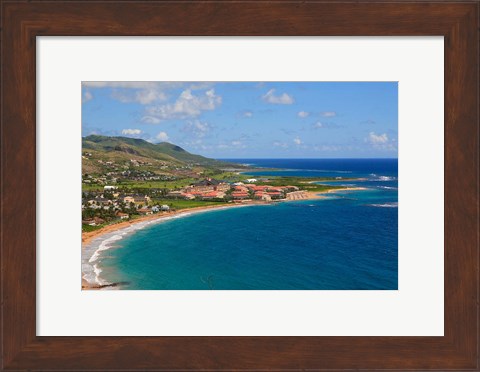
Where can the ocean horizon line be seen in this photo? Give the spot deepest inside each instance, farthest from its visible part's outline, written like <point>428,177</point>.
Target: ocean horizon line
<point>221,158</point>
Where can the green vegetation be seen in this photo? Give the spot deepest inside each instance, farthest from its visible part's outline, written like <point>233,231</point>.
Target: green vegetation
<point>121,149</point>
<point>320,188</point>
<point>88,228</point>
<point>130,163</point>
<point>303,183</point>
<point>150,172</point>
<point>133,185</point>
<point>184,204</point>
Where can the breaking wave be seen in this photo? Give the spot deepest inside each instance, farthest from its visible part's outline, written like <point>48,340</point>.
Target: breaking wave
<point>385,205</point>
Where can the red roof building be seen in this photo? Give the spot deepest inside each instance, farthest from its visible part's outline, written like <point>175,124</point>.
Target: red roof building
<point>240,195</point>
<point>241,188</point>
<point>260,188</point>
<point>275,189</point>
<point>274,193</point>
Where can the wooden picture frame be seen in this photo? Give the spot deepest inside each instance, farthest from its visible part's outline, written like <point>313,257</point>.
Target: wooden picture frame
<point>23,21</point>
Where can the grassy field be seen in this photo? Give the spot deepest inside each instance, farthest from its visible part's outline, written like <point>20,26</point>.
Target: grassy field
<point>88,228</point>
<point>183,204</point>
<point>302,183</point>
<point>171,185</point>
<point>143,184</point>
<point>320,188</point>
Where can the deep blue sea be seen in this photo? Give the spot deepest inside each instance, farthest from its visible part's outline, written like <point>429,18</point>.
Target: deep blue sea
<point>347,241</point>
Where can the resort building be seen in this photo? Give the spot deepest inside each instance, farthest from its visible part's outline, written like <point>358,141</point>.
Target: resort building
<point>208,185</point>
<point>145,211</point>
<point>259,188</point>
<point>262,196</point>
<point>181,194</point>
<point>241,188</point>
<point>100,201</point>
<point>122,216</point>
<point>275,189</point>
<point>240,195</point>
<point>275,194</point>
<point>213,195</point>
<point>137,199</point>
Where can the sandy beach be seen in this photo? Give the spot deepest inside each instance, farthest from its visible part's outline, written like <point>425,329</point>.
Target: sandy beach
<point>345,189</point>
<point>88,237</point>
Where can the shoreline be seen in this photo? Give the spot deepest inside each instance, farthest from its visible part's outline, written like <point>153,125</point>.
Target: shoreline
<point>89,237</point>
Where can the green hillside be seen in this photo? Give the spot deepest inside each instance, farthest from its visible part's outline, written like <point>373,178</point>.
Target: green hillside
<point>102,155</point>
<point>139,147</point>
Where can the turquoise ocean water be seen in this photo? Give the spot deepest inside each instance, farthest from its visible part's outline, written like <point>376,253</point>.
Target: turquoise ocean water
<point>347,241</point>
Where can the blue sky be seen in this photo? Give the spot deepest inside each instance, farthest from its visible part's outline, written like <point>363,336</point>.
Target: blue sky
<point>250,119</point>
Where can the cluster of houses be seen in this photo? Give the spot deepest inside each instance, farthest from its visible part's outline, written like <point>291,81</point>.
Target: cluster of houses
<point>114,205</point>
<point>134,170</point>
<point>265,193</point>
<point>206,189</point>
<point>136,175</point>
<point>214,189</point>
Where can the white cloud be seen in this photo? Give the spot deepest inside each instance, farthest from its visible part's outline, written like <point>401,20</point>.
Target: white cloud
<point>280,144</point>
<point>131,132</point>
<point>150,120</point>
<point>119,84</point>
<point>247,114</point>
<point>143,96</point>
<point>148,96</point>
<point>323,125</point>
<point>377,139</point>
<point>163,85</point>
<point>283,99</point>
<point>87,96</point>
<point>328,114</point>
<point>143,92</point>
<point>197,128</point>
<point>186,106</point>
<point>381,141</point>
<point>303,114</point>
<point>236,143</point>
<point>327,148</point>
<point>162,136</point>
<point>297,141</point>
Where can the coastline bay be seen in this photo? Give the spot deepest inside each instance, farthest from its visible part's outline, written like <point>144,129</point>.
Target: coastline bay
<point>346,240</point>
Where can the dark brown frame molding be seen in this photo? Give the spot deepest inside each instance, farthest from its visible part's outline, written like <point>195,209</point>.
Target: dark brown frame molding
<point>23,21</point>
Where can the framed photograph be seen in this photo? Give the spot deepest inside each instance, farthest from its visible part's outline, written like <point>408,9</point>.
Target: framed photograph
<point>239,185</point>
<point>148,200</point>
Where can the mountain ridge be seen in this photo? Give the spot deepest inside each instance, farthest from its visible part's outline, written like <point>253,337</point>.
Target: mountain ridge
<point>120,149</point>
